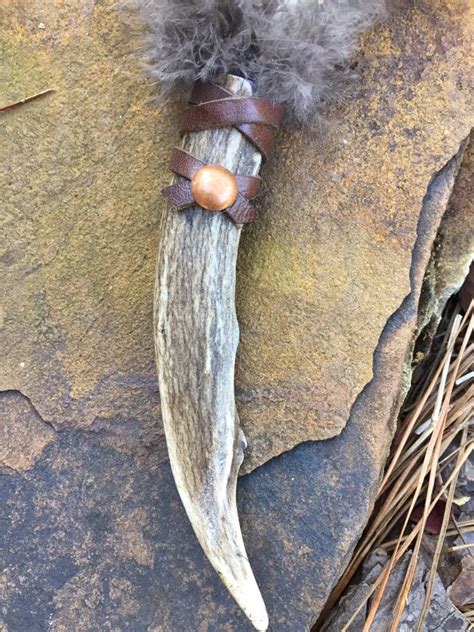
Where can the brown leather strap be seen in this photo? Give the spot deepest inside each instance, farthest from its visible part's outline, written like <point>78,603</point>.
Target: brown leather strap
<point>262,136</point>
<point>213,106</point>
<point>242,212</point>
<point>186,165</point>
<point>180,195</point>
<point>231,112</point>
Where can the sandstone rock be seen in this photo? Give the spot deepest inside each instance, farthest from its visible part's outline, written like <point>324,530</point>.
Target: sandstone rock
<point>329,293</point>
<point>23,434</point>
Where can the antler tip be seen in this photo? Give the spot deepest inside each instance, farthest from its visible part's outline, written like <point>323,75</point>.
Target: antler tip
<point>249,598</point>
<point>258,615</point>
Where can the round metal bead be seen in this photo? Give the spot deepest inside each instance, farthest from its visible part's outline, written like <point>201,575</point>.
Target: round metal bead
<point>214,188</point>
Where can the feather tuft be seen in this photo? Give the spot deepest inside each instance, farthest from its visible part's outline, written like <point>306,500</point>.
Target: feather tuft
<point>295,51</point>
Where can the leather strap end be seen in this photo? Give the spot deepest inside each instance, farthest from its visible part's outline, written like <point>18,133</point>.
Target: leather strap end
<point>242,211</point>
<point>179,195</point>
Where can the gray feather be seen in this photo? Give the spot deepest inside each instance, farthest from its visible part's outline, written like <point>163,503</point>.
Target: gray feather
<point>296,52</point>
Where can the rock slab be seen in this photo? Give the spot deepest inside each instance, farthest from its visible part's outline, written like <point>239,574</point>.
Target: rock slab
<point>329,258</point>
<point>95,536</point>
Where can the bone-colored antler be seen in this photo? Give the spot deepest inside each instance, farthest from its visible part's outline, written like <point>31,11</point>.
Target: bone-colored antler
<point>196,336</point>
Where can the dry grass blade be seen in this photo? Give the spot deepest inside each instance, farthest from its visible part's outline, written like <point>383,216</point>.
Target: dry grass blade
<point>437,413</point>
<point>410,537</point>
<point>440,540</point>
<point>462,528</point>
<point>430,464</point>
<point>10,106</point>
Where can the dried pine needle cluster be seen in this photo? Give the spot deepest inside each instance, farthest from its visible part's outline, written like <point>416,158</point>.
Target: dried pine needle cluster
<point>422,473</point>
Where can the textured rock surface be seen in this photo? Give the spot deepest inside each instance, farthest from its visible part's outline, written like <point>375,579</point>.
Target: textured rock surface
<point>330,279</point>
<point>461,592</point>
<point>23,434</point>
<point>85,166</point>
<point>452,255</point>
<point>454,248</point>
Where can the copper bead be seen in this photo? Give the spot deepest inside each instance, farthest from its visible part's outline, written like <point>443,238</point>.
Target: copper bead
<point>214,187</point>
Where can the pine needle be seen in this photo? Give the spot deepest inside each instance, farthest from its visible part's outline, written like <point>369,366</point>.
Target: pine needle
<point>438,412</point>
<point>10,106</point>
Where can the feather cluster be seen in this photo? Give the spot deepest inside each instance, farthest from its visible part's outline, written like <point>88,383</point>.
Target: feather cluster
<point>295,51</point>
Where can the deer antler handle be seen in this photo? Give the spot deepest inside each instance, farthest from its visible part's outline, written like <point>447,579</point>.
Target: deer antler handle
<point>196,338</point>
